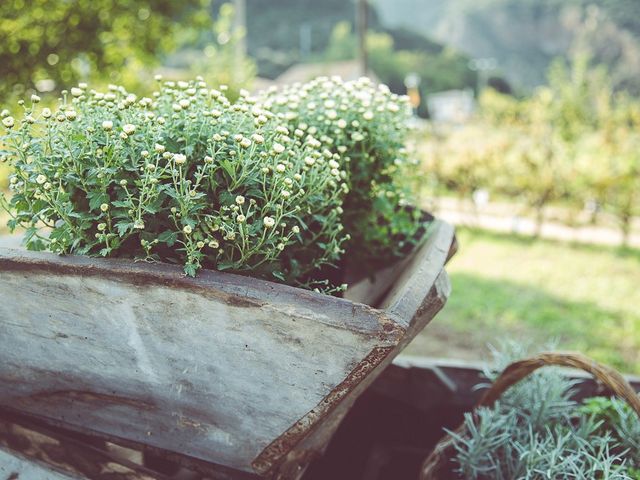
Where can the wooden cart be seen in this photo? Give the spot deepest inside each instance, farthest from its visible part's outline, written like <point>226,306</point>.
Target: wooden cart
<point>229,375</point>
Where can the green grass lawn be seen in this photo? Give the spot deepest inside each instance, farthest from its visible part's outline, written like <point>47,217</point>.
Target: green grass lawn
<point>535,291</point>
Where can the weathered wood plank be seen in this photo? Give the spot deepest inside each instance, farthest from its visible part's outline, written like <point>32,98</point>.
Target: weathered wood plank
<point>223,368</point>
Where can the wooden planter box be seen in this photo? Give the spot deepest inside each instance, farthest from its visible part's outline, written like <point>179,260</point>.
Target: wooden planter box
<point>236,375</point>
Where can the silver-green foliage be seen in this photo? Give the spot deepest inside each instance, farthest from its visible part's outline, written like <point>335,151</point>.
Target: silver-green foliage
<point>537,431</point>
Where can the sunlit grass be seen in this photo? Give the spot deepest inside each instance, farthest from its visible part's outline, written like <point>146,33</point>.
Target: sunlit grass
<point>507,287</point>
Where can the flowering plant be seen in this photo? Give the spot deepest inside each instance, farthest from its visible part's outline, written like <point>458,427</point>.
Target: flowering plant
<point>184,176</point>
<point>367,126</point>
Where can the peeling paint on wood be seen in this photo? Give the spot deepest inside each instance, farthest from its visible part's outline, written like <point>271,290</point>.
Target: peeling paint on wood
<point>223,368</point>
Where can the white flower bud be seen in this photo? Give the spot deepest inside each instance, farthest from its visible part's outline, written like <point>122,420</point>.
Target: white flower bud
<point>129,128</point>
<point>269,222</point>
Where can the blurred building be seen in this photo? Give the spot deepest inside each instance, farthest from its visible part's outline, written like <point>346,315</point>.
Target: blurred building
<point>451,106</point>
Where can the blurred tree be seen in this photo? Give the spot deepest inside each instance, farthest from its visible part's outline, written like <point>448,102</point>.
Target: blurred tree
<point>66,41</point>
<point>215,53</point>
<point>438,69</point>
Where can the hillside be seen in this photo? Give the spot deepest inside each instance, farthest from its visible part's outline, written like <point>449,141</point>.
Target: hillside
<point>524,36</point>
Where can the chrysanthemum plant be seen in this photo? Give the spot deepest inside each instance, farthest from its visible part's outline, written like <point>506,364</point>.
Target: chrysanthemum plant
<point>183,176</point>
<point>367,126</point>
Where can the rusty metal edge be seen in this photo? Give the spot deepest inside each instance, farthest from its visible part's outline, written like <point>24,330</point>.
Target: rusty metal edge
<point>271,456</point>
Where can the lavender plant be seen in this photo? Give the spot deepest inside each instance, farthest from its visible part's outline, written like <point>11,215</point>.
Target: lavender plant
<point>537,431</point>
<point>184,176</point>
<point>366,125</point>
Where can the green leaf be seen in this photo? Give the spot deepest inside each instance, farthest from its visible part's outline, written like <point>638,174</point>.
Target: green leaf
<point>169,237</point>
<point>96,199</point>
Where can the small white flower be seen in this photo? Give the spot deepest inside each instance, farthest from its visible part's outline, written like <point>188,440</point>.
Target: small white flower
<point>138,224</point>
<point>214,244</point>
<point>208,159</point>
<point>245,143</point>
<point>368,115</point>
<point>107,125</point>
<point>129,128</point>
<point>82,85</point>
<point>8,122</point>
<point>357,137</point>
<point>295,229</point>
<point>40,179</point>
<point>261,119</point>
<point>102,227</point>
<point>104,207</point>
<point>144,153</point>
<point>269,222</point>
<point>333,164</point>
<point>158,77</point>
<point>187,229</point>
<point>285,194</point>
<point>184,103</point>
<point>259,139</point>
<point>280,168</point>
<point>159,148</point>
<point>342,123</point>
<point>278,148</point>
<point>288,181</point>
<point>46,113</point>
<point>179,158</point>
<point>280,246</point>
<point>241,218</point>
<point>282,130</point>
<point>35,98</point>
<point>71,114</point>
<point>76,92</point>
<point>240,200</point>
<point>309,160</point>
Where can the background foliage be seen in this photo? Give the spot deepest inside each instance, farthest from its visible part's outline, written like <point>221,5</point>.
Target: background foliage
<point>574,142</point>
<point>70,41</point>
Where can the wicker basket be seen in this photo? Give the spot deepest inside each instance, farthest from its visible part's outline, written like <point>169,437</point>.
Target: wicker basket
<point>435,465</point>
